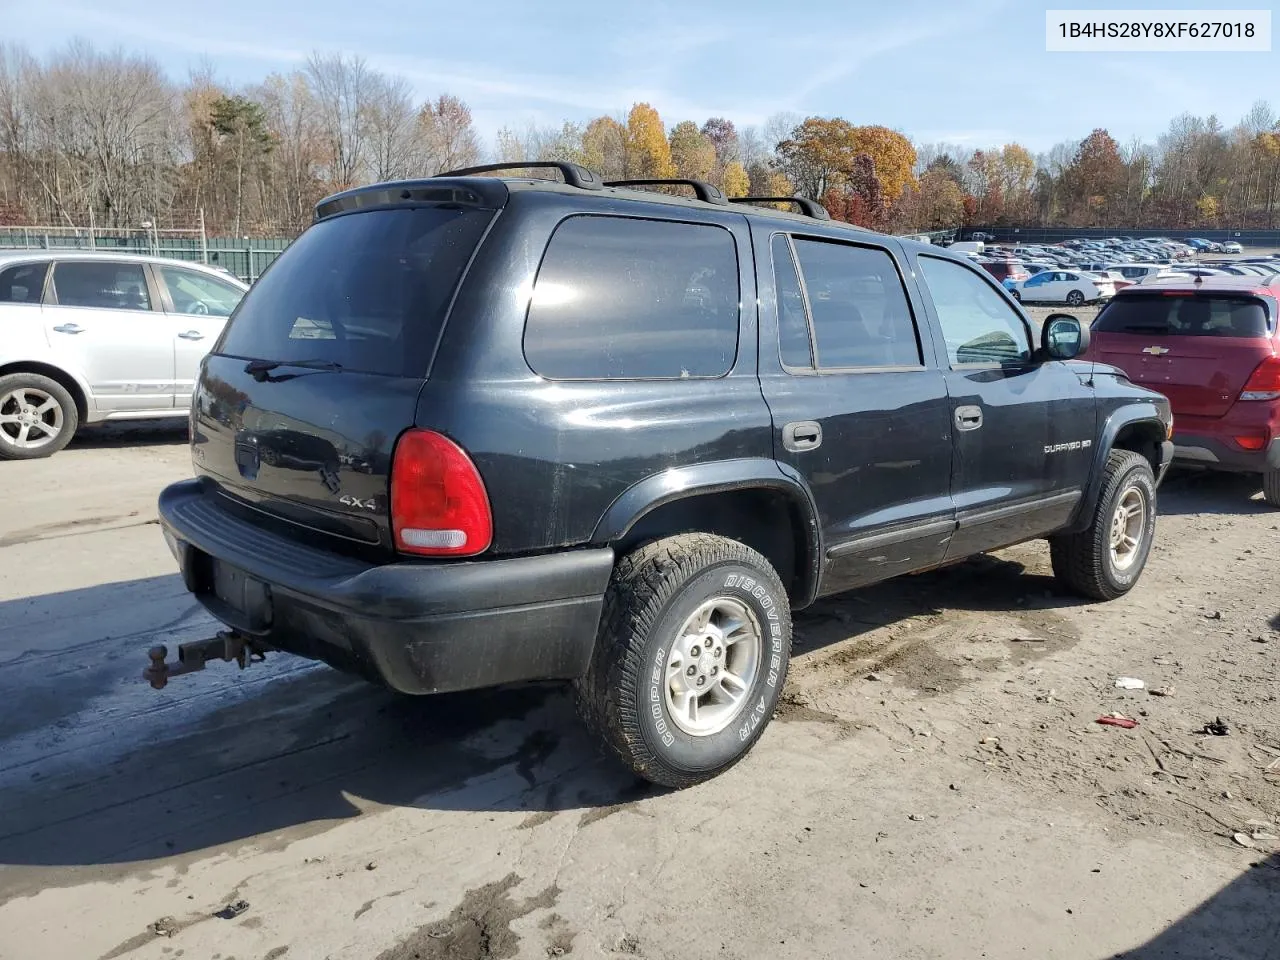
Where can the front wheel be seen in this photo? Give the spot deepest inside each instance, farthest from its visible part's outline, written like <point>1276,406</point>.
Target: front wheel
<point>1016,295</point>
<point>1105,560</point>
<point>690,658</point>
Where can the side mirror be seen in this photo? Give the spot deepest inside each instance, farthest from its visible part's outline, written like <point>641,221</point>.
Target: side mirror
<point>1063,337</point>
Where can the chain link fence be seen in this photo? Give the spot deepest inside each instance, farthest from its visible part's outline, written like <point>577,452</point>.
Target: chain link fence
<point>245,258</point>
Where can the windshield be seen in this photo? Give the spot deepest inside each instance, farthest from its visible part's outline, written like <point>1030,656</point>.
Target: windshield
<point>368,291</point>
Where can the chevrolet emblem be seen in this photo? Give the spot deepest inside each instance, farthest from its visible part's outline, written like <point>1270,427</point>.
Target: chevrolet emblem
<point>1155,351</point>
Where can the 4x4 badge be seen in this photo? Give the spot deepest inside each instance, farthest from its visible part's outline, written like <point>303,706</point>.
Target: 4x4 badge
<point>351,501</point>
<point>1155,351</point>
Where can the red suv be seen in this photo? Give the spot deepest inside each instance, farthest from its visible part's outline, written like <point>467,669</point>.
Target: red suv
<point>1210,345</point>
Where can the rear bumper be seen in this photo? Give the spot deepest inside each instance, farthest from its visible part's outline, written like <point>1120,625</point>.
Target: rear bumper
<point>1209,442</point>
<point>1198,450</point>
<point>417,627</point>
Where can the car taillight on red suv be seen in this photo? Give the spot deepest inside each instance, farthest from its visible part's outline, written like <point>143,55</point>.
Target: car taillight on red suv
<point>439,506</point>
<point>1264,382</point>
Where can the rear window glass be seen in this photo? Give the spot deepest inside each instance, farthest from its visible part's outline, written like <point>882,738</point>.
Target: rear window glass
<point>620,298</point>
<point>1189,316</point>
<point>366,290</point>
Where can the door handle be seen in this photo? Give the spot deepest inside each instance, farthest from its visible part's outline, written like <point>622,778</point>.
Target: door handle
<point>69,328</point>
<point>191,335</point>
<point>968,418</point>
<point>802,435</point>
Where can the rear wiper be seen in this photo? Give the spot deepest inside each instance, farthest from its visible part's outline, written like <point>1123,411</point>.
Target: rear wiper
<point>258,369</point>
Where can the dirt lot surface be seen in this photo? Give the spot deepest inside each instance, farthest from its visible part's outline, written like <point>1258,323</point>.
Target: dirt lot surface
<point>935,783</point>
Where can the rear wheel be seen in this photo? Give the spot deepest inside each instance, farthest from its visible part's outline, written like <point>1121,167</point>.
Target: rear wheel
<point>1105,560</point>
<point>1075,298</point>
<point>1271,487</point>
<point>1016,295</point>
<point>38,416</point>
<point>690,658</point>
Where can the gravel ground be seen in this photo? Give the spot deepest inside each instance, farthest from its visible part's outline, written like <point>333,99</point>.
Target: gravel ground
<point>935,783</point>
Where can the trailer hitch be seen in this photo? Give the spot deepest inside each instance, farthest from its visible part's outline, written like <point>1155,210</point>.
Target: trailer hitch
<point>227,646</point>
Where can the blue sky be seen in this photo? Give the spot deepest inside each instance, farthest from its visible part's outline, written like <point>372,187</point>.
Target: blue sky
<point>973,72</point>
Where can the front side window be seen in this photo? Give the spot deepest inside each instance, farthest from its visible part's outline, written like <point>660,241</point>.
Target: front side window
<point>979,326</point>
<point>618,298</point>
<point>109,286</point>
<point>858,306</point>
<point>23,283</point>
<point>196,293</point>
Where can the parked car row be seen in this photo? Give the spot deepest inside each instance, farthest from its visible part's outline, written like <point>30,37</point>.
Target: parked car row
<point>1088,271</point>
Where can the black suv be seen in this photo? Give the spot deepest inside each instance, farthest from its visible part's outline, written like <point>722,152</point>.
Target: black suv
<point>473,430</point>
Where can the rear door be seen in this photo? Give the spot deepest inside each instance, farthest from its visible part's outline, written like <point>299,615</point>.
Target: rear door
<point>859,407</point>
<point>103,316</point>
<point>1022,429</point>
<point>1198,349</point>
<point>197,305</point>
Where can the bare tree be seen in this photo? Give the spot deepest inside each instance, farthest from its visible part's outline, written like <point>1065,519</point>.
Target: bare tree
<point>448,135</point>
<point>390,124</point>
<point>342,86</point>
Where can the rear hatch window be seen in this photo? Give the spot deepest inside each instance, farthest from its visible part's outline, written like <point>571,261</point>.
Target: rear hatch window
<point>367,291</point>
<point>1185,315</point>
<point>1198,349</point>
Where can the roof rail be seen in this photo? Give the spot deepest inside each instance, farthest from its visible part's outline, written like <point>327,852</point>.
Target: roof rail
<point>706,192</point>
<point>810,208</point>
<point>574,175</point>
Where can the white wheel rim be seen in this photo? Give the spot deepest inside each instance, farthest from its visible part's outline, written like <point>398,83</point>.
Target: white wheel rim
<point>30,418</point>
<point>712,666</point>
<point>1128,526</point>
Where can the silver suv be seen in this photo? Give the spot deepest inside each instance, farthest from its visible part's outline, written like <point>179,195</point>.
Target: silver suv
<point>90,337</point>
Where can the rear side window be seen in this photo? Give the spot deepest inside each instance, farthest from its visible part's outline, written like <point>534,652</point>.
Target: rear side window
<point>23,283</point>
<point>794,342</point>
<point>857,305</point>
<point>619,298</point>
<point>368,291</point>
<point>108,286</point>
<point>1186,316</point>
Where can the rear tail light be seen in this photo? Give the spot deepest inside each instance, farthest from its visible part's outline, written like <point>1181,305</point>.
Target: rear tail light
<point>1264,382</point>
<point>1251,442</point>
<point>439,506</point>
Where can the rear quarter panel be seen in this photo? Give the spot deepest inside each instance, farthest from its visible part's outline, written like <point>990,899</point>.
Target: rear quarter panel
<point>554,455</point>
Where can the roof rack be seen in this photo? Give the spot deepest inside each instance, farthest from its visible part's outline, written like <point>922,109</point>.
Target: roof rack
<point>706,192</point>
<point>810,208</point>
<point>574,175</point>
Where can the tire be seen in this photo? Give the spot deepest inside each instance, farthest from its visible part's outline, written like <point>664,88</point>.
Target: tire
<point>1016,295</point>
<point>1271,487</point>
<point>628,697</point>
<point>1086,562</point>
<point>1075,298</point>
<point>38,417</point>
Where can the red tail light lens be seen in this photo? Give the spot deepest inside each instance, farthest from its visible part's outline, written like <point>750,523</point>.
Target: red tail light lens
<point>439,506</point>
<point>1251,443</point>
<point>1264,383</point>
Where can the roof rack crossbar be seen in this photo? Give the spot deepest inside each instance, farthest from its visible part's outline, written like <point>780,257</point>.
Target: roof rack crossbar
<point>706,192</point>
<point>574,175</point>
<point>810,208</point>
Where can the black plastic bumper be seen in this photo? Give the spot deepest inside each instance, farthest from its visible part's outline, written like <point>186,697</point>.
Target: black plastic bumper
<point>1197,450</point>
<point>418,627</point>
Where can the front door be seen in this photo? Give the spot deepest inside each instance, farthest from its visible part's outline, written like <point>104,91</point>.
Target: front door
<point>860,409</point>
<point>103,316</point>
<point>1023,428</point>
<point>198,306</point>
